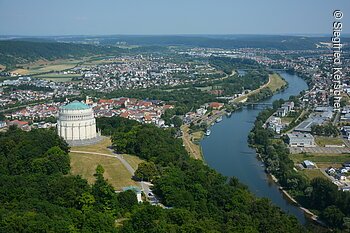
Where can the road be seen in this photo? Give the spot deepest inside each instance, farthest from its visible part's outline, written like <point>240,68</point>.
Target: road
<point>190,146</point>
<point>336,118</point>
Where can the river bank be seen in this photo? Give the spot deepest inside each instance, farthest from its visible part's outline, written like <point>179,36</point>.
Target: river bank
<point>287,195</point>
<point>191,139</point>
<point>227,150</point>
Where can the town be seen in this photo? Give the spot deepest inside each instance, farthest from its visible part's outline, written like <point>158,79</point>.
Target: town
<point>136,87</point>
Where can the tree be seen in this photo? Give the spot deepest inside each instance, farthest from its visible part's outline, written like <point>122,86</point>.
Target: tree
<point>127,200</point>
<point>146,171</point>
<point>59,159</point>
<point>86,201</point>
<point>324,193</point>
<point>333,216</point>
<point>103,192</point>
<point>177,121</point>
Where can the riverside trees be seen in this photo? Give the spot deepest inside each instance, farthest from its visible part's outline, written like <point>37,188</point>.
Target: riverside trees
<point>201,198</point>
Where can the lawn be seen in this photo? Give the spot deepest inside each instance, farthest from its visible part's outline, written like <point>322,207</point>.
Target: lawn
<point>276,82</point>
<point>103,147</point>
<point>312,173</point>
<point>322,141</point>
<point>115,172</point>
<point>322,160</point>
<point>197,136</point>
<point>287,120</point>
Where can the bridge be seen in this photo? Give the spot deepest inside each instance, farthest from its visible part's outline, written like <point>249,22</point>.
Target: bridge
<point>258,104</point>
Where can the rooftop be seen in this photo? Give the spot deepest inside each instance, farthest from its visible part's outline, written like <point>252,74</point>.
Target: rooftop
<point>300,135</point>
<point>76,105</point>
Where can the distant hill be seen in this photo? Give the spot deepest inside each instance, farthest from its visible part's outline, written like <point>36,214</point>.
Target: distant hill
<point>16,52</point>
<point>210,41</point>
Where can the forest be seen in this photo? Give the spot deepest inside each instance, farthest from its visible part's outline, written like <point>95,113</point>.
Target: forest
<point>38,194</point>
<point>16,52</point>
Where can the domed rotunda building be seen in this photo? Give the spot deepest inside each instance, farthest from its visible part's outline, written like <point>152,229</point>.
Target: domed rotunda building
<point>76,123</point>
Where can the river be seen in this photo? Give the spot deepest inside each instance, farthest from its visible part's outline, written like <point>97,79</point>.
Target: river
<point>227,151</point>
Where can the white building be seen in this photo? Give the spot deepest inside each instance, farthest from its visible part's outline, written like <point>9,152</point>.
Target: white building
<point>76,122</point>
<point>285,109</point>
<point>301,140</point>
<point>275,123</point>
<point>2,124</point>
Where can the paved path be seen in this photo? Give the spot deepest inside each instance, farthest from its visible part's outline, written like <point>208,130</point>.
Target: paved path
<point>336,118</point>
<point>188,144</point>
<point>118,156</point>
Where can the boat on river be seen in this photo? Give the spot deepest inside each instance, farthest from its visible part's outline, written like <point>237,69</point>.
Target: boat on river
<point>219,119</point>
<point>208,132</point>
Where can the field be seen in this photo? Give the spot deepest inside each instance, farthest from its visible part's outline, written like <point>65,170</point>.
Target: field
<point>50,67</point>
<point>115,172</point>
<point>275,83</point>
<point>322,160</point>
<point>58,77</point>
<point>312,173</point>
<point>287,120</point>
<point>46,66</point>
<point>322,141</point>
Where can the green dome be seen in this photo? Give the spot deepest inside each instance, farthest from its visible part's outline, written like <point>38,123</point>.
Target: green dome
<point>76,105</point>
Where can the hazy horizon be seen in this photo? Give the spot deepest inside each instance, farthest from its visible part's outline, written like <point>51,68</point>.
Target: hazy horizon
<point>162,17</point>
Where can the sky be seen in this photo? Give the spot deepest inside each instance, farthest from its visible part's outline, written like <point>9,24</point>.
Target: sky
<point>140,17</point>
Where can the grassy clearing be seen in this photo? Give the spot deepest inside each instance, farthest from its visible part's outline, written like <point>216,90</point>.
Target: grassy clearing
<point>103,147</point>
<point>133,160</point>
<point>322,141</point>
<point>275,82</point>
<point>321,158</point>
<point>287,120</point>
<point>42,66</point>
<point>312,173</point>
<point>58,77</point>
<point>116,174</point>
